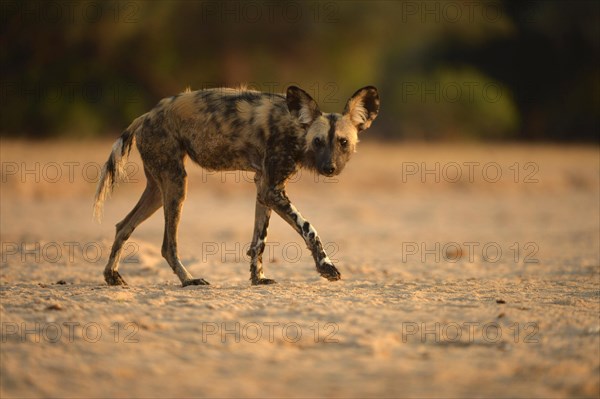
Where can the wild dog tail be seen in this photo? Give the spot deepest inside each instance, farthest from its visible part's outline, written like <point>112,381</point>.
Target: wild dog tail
<point>113,170</point>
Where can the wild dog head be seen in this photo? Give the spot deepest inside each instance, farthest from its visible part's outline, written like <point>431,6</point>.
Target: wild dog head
<point>332,138</point>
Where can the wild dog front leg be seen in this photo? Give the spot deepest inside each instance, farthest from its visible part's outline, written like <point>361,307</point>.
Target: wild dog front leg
<point>280,203</point>
<point>257,247</point>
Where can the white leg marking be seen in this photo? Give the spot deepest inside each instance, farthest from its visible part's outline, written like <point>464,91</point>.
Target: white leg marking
<point>311,230</point>
<point>325,260</point>
<point>300,222</point>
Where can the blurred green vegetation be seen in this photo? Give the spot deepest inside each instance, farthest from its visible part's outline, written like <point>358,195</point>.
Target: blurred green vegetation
<point>453,70</point>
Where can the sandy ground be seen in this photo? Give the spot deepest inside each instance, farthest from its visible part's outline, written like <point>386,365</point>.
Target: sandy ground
<point>457,281</point>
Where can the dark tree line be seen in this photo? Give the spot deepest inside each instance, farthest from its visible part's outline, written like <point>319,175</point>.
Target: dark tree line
<point>446,70</point>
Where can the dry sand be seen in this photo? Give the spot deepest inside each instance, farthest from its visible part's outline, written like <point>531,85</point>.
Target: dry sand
<point>464,287</point>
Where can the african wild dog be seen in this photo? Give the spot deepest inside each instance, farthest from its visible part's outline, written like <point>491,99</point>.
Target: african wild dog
<point>270,134</point>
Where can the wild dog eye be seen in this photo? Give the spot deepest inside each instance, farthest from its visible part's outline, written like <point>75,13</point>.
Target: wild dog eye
<point>344,142</point>
<point>317,142</point>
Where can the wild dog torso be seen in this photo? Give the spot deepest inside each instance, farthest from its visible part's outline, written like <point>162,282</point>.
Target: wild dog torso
<point>228,129</point>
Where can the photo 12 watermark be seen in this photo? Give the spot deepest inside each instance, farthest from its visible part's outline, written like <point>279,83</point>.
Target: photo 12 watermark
<point>68,12</point>
<point>66,172</point>
<point>289,251</point>
<point>470,172</point>
<point>469,251</point>
<point>321,92</point>
<point>64,252</point>
<point>268,332</point>
<point>269,12</point>
<point>452,12</point>
<point>469,332</point>
<point>244,176</point>
<point>69,332</point>
<point>69,92</point>
<point>435,92</point>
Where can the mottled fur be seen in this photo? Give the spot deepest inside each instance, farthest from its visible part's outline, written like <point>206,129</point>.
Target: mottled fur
<point>272,135</point>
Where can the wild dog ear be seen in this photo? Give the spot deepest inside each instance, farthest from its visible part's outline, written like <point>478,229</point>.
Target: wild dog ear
<point>301,105</point>
<point>363,107</point>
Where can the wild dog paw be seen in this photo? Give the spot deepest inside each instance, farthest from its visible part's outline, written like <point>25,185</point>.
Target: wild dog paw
<point>329,271</point>
<point>195,281</point>
<point>263,281</point>
<point>114,278</point>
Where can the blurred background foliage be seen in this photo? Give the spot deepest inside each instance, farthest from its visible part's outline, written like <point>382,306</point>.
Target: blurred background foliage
<point>456,70</point>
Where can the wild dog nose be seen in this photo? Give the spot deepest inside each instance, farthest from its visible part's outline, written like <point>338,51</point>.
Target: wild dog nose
<point>330,169</point>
